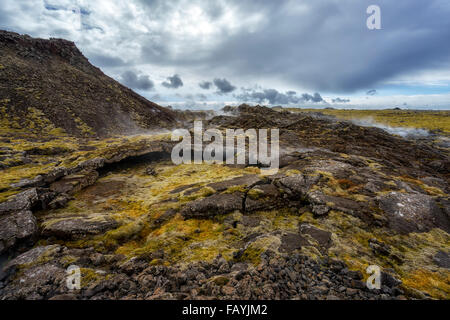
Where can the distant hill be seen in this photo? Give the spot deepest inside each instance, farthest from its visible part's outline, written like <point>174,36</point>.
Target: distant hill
<point>49,85</point>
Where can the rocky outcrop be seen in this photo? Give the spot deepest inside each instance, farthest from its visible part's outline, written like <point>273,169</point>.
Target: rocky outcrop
<point>74,183</point>
<point>413,212</point>
<point>15,228</point>
<point>23,201</point>
<point>213,205</point>
<point>442,259</point>
<point>76,228</point>
<point>263,197</point>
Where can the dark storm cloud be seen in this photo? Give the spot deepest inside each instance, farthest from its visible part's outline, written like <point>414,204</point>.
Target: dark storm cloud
<point>339,100</point>
<point>105,61</point>
<point>173,82</point>
<point>274,97</point>
<point>325,44</point>
<point>223,86</point>
<point>321,45</point>
<point>314,98</point>
<point>206,85</point>
<point>138,82</point>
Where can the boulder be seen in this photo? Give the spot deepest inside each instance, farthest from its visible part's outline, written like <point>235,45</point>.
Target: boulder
<point>379,248</point>
<point>292,241</point>
<point>262,197</point>
<point>442,259</point>
<point>214,205</point>
<point>37,181</point>
<point>77,227</point>
<point>30,257</point>
<point>299,184</point>
<point>322,237</point>
<point>415,212</point>
<point>22,201</point>
<point>321,204</point>
<point>73,183</point>
<point>16,227</point>
<point>37,282</point>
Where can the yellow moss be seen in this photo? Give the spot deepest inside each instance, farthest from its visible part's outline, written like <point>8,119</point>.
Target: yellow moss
<point>4,196</point>
<point>83,127</point>
<point>203,192</point>
<point>292,172</point>
<point>68,260</point>
<point>281,219</point>
<point>184,241</point>
<point>252,253</point>
<point>126,232</point>
<point>255,193</point>
<point>242,189</point>
<point>90,276</point>
<point>437,283</point>
<point>432,191</point>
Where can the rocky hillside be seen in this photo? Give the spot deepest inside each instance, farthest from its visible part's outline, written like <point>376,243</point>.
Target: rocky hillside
<point>48,86</point>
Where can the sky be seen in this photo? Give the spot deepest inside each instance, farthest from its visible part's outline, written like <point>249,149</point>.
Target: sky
<point>206,54</point>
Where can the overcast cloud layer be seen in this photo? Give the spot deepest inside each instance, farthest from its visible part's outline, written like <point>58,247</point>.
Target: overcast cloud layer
<point>312,53</point>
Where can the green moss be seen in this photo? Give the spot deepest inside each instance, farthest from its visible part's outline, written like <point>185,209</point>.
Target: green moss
<point>126,232</point>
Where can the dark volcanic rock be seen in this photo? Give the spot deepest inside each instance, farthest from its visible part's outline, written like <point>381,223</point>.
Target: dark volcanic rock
<point>74,228</point>
<point>23,201</point>
<point>413,212</point>
<point>30,257</point>
<point>322,237</point>
<point>16,227</point>
<point>442,259</point>
<point>299,184</point>
<point>379,247</point>
<point>73,183</point>
<point>213,205</point>
<point>246,181</point>
<point>263,197</point>
<point>292,241</point>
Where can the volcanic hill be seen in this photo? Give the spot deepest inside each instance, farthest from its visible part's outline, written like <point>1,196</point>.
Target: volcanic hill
<point>50,85</point>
